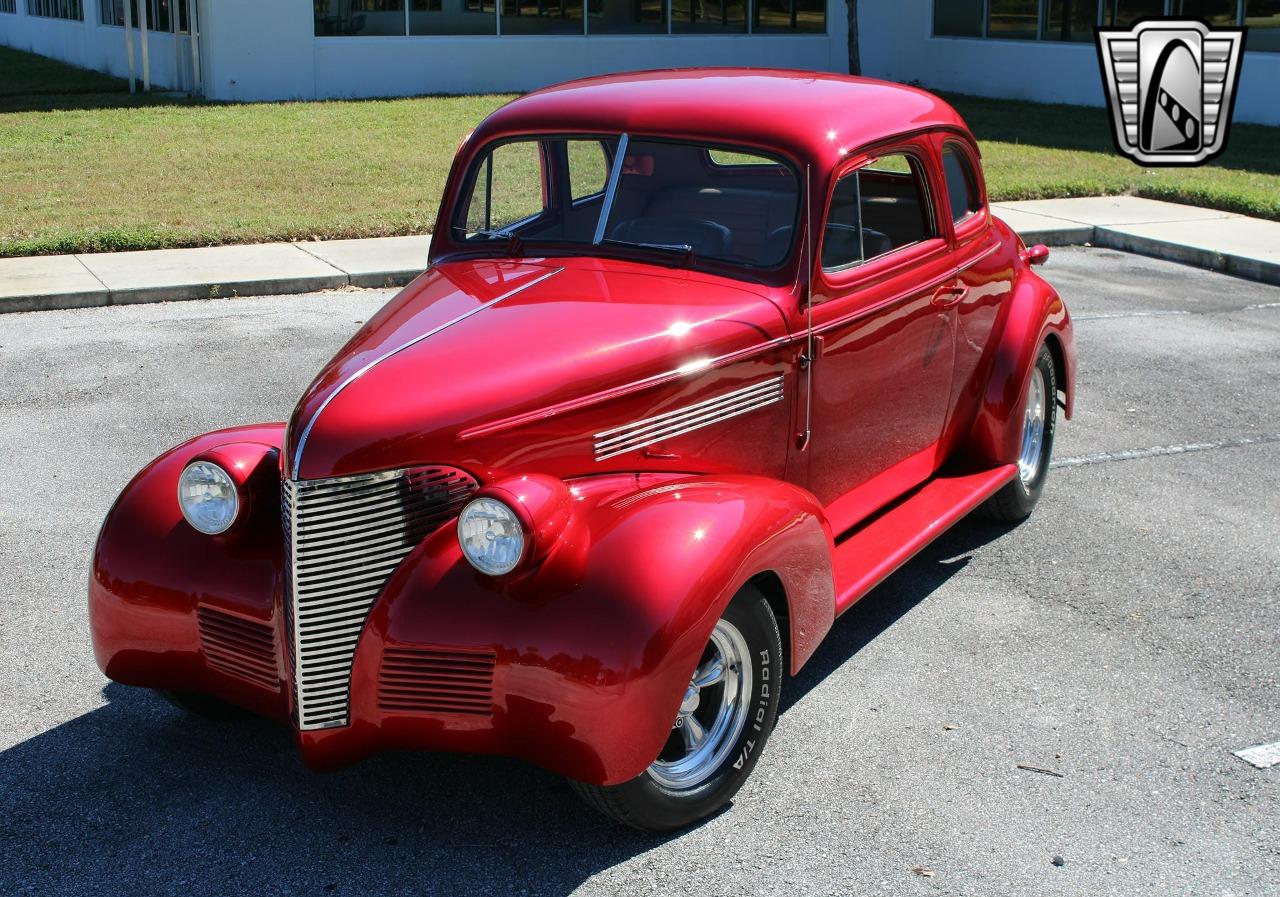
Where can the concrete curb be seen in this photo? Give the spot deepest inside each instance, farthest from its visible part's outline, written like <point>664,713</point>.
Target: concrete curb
<point>166,275</point>
<point>1195,256</point>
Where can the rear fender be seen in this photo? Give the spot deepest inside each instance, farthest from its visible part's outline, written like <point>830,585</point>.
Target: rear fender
<point>1035,314</point>
<point>596,643</point>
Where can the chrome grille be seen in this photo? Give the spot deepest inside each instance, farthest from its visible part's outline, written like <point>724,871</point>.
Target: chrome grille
<point>346,536</point>
<point>638,434</point>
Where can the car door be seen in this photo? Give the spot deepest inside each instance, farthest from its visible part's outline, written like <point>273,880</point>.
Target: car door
<point>883,289</point>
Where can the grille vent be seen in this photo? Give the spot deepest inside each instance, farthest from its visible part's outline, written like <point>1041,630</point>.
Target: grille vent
<point>346,536</point>
<point>239,647</point>
<point>419,680</point>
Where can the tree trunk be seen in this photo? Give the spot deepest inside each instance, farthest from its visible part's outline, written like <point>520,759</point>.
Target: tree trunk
<point>855,59</point>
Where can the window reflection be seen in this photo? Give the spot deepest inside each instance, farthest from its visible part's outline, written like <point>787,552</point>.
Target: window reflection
<point>628,16</point>
<point>452,17</point>
<point>1070,20</point>
<point>705,16</point>
<point>1013,19</point>
<point>1263,19</point>
<point>790,15</point>
<point>541,16</point>
<point>359,17</point>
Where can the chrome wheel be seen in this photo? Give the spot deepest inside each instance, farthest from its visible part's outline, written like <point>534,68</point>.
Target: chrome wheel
<point>712,714</point>
<point>1032,429</point>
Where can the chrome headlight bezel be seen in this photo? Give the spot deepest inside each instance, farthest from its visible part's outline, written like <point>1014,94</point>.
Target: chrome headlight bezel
<point>200,512</point>
<point>503,523</point>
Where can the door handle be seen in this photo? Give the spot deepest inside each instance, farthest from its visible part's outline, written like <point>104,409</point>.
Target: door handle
<point>949,295</point>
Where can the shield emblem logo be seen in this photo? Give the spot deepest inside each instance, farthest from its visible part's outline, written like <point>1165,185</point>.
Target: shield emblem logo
<point>1170,88</point>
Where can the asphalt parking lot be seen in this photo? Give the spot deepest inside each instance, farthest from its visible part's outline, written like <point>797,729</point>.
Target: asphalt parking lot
<point>1126,638</point>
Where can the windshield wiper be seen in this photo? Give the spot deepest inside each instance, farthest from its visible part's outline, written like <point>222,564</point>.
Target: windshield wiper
<point>514,246</point>
<point>683,249</point>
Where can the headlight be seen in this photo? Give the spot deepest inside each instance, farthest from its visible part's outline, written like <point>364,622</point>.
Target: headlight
<point>208,497</point>
<point>491,536</point>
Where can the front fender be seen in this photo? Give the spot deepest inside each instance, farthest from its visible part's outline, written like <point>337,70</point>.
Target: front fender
<point>594,646</point>
<point>152,572</point>
<point>1035,313</point>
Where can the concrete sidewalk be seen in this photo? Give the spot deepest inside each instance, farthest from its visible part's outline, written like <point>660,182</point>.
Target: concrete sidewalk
<point>1233,244</point>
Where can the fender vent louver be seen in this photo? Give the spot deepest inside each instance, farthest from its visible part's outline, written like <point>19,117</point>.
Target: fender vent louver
<point>345,538</point>
<point>422,680</point>
<point>238,647</point>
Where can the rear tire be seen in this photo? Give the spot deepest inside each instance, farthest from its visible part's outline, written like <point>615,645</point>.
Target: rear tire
<point>692,779</point>
<point>1017,499</point>
<point>204,705</point>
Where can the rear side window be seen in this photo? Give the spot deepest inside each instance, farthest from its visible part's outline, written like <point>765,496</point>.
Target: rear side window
<point>509,187</point>
<point>962,185</point>
<point>875,210</point>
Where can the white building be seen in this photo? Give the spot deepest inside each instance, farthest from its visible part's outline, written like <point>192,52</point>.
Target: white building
<point>309,49</point>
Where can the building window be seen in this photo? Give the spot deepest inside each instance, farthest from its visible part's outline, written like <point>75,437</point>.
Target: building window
<point>1070,20</point>
<point>341,18</point>
<point>56,9</point>
<point>160,17</point>
<point>452,17</point>
<point>1123,13</point>
<point>1013,19</point>
<point>790,15</point>
<point>705,16</point>
<point>627,16</point>
<point>1074,20</point>
<point>542,16</point>
<point>9,6</point>
<point>1216,12</point>
<point>1263,19</point>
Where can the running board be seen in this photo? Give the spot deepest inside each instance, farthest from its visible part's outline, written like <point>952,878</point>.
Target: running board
<point>880,545</point>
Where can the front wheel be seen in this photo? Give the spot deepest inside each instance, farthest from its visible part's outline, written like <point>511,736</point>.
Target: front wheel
<point>724,720</point>
<point>1018,498</point>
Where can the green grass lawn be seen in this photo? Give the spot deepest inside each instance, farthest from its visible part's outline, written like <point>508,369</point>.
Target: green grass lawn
<point>86,167</point>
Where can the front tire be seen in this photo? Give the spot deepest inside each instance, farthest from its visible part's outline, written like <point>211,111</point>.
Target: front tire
<point>727,714</point>
<point>1018,498</point>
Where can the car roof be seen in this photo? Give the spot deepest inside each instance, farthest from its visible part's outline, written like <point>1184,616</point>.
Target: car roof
<point>815,117</point>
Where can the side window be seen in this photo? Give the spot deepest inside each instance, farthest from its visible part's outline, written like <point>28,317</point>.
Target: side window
<point>881,207</point>
<point>962,185</point>
<point>508,187</point>
<point>588,168</point>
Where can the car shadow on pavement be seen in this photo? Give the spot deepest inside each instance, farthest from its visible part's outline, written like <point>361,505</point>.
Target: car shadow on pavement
<point>139,798</point>
<point>892,600</point>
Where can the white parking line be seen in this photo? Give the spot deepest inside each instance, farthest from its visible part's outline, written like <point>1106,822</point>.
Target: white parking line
<point>1157,451</point>
<point>1102,316</point>
<point>1260,755</point>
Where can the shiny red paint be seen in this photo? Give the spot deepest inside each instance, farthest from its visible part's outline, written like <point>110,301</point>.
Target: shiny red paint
<point>509,368</point>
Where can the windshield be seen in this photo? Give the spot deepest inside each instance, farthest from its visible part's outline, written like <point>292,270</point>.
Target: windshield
<point>685,200</point>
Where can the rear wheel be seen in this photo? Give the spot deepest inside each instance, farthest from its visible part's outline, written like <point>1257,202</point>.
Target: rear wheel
<point>204,705</point>
<point>727,713</point>
<point>1018,498</point>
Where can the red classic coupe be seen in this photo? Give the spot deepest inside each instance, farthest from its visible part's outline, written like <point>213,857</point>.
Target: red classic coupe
<point>700,358</point>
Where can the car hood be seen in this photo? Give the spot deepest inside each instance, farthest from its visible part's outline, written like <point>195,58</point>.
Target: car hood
<point>475,362</point>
